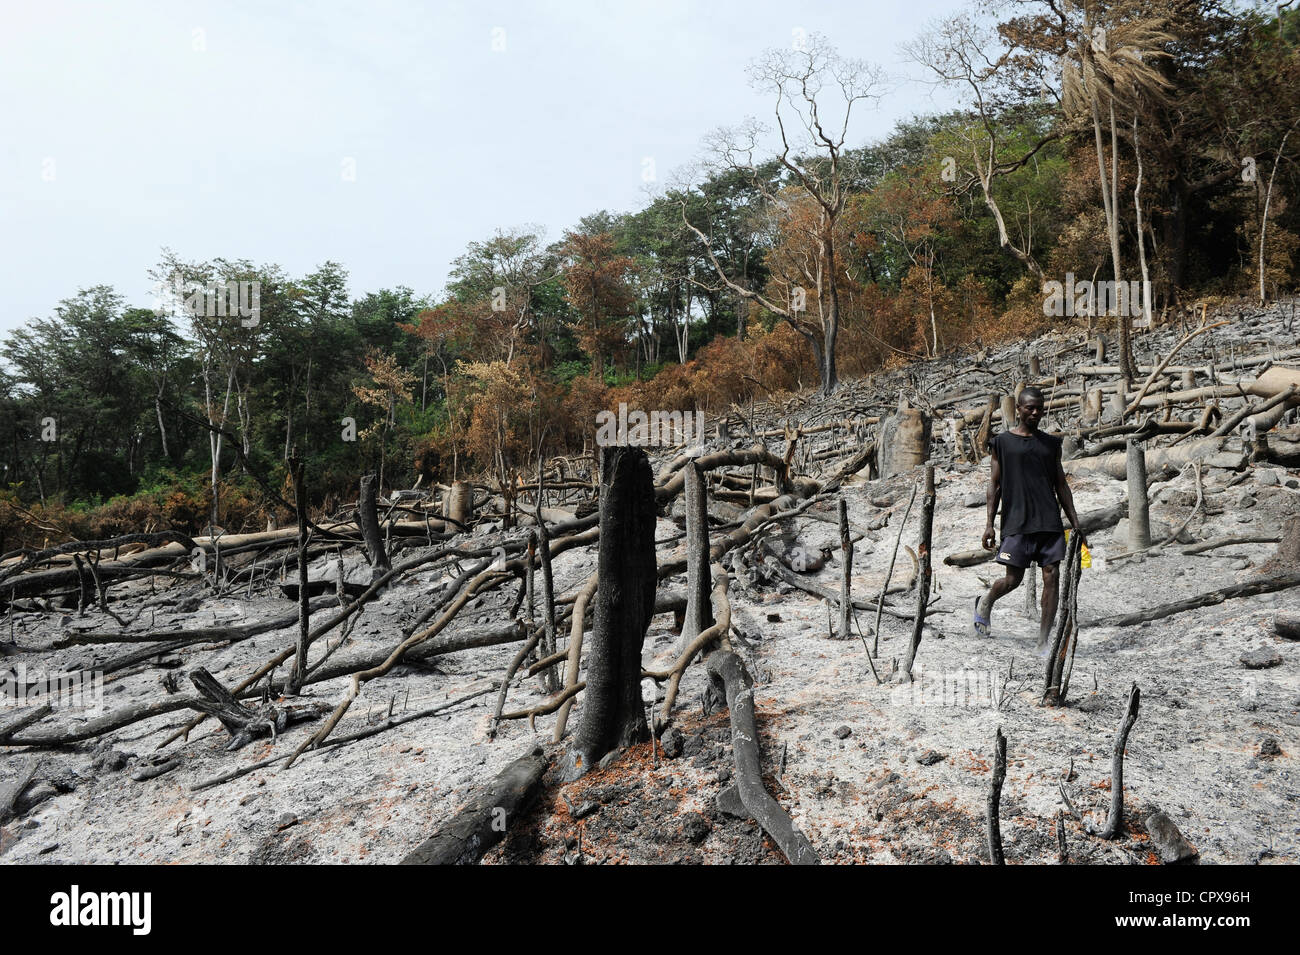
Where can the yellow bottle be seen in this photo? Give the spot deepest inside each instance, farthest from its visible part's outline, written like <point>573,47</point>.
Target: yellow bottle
<point>1085,556</point>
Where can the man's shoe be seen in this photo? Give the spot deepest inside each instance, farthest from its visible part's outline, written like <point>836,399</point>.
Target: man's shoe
<point>982,628</point>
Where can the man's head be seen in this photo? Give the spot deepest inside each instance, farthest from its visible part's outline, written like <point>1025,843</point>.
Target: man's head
<point>1029,407</point>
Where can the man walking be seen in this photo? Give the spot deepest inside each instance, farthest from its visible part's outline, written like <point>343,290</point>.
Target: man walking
<point>1028,481</point>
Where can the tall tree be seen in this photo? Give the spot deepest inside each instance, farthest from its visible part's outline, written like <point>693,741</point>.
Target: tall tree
<point>597,283</point>
<point>814,91</point>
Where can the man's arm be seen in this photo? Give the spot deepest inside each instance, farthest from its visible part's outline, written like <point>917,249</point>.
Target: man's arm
<point>1064,495</point>
<point>992,498</point>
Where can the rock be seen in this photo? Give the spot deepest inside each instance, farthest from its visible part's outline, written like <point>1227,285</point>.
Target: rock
<point>108,759</point>
<point>286,820</point>
<point>1293,484</point>
<point>1179,496</point>
<point>672,742</point>
<point>843,732</point>
<point>975,499</point>
<point>1091,704</point>
<point>1287,625</point>
<point>930,757</point>
<point>1267,477</point>
<point>773,618</point>
<point>1170,844</point>
<point>1261,658</point>
<point>1268,747</point>
<point>696,827</point>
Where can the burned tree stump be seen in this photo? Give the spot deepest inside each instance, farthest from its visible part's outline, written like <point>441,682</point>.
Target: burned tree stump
<point>1286,559</point>
<point>458,504</point>
<point>904,441</point>
<point>613,716</point>
<point>1115,821</point>
<point>368,521</point>
<point>699,612</point>
<point>240,722</point>
<point>985,429</point>
<point>995,798</point>
<point>299,673</point>
<point>1008,410</point>
<point>1139,521</point>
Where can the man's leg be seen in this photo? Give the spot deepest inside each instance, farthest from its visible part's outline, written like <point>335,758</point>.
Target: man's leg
<point>1000,589</point>
<point>1051,580</point>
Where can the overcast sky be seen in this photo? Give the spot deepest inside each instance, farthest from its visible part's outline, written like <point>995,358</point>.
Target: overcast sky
<point>384,136</point>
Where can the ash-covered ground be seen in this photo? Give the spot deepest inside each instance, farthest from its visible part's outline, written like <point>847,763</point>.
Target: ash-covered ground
<point>871,773</point>
<point>888,772</point>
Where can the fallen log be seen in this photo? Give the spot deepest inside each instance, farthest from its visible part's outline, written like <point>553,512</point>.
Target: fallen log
<point>486,819</point>
<point>726,667</point>
<point>1209,452</point>
<point>195,635</point>
<point>969,558</point>
<point>10,791</point>
<point>329,744</point>
<point>1260,585</point>
<point>1218,542</point>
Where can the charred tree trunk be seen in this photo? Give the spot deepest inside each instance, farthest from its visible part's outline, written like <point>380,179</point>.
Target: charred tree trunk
<point>903,442</point>
<point>368,521</point>
<point>1139,521</point>
<point>1115,821</point>
<point>299,673</point>
<point>613,715</point>
<point>995,798</point>
<point>458,505</point>
<point>699,612</point>
<point>923,572</point>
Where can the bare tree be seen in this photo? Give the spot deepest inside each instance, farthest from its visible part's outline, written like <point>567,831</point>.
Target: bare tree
<point>965,53</point>
<point>814,91</point>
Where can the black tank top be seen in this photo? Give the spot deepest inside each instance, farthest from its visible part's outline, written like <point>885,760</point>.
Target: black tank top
<point>1029,504</point>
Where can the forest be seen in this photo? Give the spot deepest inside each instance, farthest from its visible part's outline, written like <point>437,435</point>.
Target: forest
<point>1145,141</point>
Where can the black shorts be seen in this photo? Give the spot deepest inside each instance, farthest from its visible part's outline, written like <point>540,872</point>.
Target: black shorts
<point>1041,548</point>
